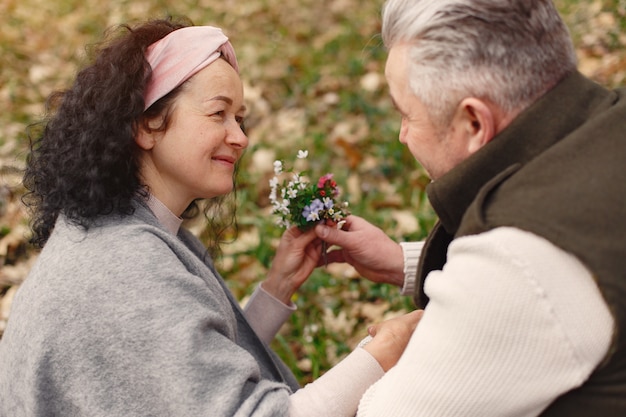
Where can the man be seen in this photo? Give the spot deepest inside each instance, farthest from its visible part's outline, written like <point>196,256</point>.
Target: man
<point>523,279</point>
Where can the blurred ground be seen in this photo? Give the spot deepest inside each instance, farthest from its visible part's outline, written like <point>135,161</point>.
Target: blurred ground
<point>313,78</point>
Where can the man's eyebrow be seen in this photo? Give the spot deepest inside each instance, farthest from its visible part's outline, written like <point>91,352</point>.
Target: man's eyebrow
<point>395,105</point>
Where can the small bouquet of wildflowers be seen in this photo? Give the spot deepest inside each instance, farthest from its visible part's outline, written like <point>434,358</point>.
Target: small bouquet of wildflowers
<point>297,202</point>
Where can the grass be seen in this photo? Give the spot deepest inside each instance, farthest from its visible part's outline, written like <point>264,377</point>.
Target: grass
<point>313,77</point>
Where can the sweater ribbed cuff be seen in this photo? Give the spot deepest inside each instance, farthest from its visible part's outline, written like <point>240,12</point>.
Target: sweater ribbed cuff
<point>411,252</point>
<point>266,314</point>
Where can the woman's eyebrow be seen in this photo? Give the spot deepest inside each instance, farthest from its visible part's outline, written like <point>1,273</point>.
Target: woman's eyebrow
<point>229,101</point>
<point>223,98</point>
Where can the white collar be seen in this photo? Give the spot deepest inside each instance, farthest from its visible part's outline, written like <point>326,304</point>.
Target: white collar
<point>164,215</point>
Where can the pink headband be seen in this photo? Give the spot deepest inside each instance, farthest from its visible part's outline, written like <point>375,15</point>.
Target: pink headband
<point>181,54</point>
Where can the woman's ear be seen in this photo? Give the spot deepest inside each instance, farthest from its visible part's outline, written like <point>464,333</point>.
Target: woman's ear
<point>145,137</point>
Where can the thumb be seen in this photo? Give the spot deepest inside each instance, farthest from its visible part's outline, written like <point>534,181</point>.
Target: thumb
<point>329,234</point>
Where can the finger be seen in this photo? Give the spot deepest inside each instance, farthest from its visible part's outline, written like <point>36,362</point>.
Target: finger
<point>335,255</point>
<point>298,238</point>
<point>314,252</point>
<point>332,235</point>
<point>412,318</point>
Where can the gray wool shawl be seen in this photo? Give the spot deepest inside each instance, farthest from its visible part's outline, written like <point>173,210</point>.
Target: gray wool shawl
<point>126,319</point>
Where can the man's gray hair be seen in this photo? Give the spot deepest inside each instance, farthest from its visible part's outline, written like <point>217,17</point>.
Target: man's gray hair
<point>507,51</point>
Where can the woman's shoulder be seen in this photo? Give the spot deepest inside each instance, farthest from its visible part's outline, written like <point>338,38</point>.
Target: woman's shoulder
<point>109,242</point>
<point>122,252</point>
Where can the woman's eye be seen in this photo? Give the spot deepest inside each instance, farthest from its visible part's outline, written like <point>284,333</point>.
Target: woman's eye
<point>242,123</point>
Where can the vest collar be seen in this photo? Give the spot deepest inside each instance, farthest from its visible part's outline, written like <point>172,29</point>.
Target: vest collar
<point>544,123</point>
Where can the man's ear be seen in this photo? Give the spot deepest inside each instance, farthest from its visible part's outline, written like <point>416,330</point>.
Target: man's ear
<point>478,121</point>
<point>145,138</point>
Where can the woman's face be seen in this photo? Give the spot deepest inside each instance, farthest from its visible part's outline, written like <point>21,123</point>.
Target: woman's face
<point>195,157</point>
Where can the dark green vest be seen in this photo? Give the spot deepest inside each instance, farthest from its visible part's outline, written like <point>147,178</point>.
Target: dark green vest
<point>558,171</point>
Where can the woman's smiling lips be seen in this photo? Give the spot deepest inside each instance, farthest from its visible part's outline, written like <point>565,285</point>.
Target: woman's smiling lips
<point>225,159</point>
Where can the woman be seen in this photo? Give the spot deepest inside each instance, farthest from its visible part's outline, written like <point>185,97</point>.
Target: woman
<point>124,313</point>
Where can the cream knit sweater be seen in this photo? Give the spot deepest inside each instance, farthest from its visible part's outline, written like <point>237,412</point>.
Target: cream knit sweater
<point>512,323</point>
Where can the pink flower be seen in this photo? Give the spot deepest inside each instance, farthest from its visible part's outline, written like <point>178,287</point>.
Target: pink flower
<point>323,179</point>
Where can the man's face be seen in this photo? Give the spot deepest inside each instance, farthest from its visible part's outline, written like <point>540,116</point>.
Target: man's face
<point>438,151</point>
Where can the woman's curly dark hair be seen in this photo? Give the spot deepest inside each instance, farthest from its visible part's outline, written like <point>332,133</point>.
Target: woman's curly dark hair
<point>84,163</point>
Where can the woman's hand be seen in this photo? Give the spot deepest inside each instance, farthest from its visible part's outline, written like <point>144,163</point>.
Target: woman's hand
<point>297,255</point>
<point>391,337</point>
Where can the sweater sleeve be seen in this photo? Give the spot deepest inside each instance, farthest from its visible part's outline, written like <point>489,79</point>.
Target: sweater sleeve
<point>338,391</point>
<point>266,314</point>
<point>513,322</point>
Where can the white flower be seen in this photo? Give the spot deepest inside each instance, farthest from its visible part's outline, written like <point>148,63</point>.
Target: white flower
<point>285,196</point>
<point>283,223</point>
<point>313,216</point>
<point>278,167</point>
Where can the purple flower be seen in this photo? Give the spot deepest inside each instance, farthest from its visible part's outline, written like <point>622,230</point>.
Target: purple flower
<point>312,211</point>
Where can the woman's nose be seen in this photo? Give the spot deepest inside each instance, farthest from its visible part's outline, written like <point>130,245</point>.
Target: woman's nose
<point>236,137</point>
